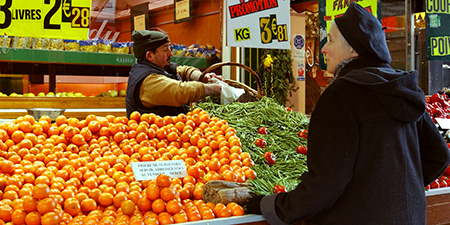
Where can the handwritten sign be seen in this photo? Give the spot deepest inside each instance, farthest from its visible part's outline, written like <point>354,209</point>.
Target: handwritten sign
<point>438,32</point>
<point>150,170</point>
<point>64,19</point>
<point>182,10</point>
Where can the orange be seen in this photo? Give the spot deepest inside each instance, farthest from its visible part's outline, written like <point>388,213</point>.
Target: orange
<point>18,216</point>
<point>105,199</point>
<point>119,198</point>
<point>33,218</point>
<point>29,203</point>
<point>144,204</point>
<point>152,192</point>
<point>50,218</point>
<point>167,194</point>
<point>25,126</point>
<point>173,206</point>
<point>61,119</point>
<point>184,193</point>
<point>135,195</point>
<point>6,212</point>
<point>158,206</point>
<point>46,205</point>
<point>41,191</point>
<point>163,180</point>
<point>250,174</point>
<point>180,217</point>
<point>88,205</point>
<point>78,139</point>
<point>165,218</point>
<point>135,115</point>
<point>72,207</point>
<point>94,126</point>
<point>128,207</point>
<point>17,136</point>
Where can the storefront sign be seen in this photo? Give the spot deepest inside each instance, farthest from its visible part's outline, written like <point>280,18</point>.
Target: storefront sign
<point>329,10</point>
<point>438,31</point>
<point>64,19</point>
<point>258,24</point>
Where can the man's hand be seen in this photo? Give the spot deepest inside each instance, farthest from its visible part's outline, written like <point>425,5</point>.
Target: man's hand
<point>212,89</point>
<point>208,77</point>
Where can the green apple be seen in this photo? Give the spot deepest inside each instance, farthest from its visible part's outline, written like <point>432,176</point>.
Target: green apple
<point>50,94</point>
<point>113,93</point>
<point>13,94</point>
<point>41,94</point>
<point>122,93</point>
<point>58,94</point>
<point>31,95</point>
<point>78,94</point>
<point>64,94</point>
<point>70,94</point>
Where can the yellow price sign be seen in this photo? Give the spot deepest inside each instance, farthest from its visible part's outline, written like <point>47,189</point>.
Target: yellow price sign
<point>64,19</point>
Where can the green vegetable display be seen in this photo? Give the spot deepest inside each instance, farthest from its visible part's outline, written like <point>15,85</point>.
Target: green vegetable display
<point>282,139</point>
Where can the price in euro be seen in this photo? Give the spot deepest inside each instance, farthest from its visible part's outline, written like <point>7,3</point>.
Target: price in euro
<point>45,18</point>
<point>270,30</point>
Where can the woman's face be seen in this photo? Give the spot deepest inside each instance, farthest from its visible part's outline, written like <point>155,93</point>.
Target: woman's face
<point>336,50</point>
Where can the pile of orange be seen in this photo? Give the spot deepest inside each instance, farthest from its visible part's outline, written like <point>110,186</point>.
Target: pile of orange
<point>79,171</point>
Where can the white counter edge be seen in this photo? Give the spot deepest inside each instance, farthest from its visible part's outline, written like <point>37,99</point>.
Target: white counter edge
<point>437,191</point>
<point>230,220</point>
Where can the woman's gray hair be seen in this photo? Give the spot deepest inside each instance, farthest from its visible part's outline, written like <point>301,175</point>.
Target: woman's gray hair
<point>344,42</point>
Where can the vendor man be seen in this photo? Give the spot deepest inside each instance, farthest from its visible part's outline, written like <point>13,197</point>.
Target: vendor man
<point>155,85</point>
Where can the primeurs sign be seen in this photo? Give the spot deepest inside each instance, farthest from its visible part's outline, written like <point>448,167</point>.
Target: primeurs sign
<point>438,29</point>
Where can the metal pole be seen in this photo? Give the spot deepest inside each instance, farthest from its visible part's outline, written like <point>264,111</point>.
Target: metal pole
<point>409,35</point>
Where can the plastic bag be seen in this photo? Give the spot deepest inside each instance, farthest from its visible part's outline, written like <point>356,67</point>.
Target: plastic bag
<point>229,94</point>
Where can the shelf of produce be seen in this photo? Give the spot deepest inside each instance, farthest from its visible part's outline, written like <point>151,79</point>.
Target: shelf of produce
<point>78,107</point>
<point>54,62</point>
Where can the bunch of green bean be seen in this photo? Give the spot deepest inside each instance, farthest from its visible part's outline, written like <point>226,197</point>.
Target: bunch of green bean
<point>283,127</point>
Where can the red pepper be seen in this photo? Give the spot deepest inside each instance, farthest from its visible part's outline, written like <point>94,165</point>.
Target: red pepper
<point>303,134</point>
<point>262,130</point>
<point>261,143</point>
<point>279,189</point>
<point>269,158</point>
<point>439,98</point>
<point>437,113</point>
<point>302,150</point>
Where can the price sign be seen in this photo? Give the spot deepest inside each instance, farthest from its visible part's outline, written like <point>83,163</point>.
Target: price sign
<point>182,11</point>
<point>64,19</point>
<point>258,24</point>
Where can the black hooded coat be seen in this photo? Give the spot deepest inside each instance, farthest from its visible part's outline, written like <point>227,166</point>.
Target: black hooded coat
<point>372,148</point>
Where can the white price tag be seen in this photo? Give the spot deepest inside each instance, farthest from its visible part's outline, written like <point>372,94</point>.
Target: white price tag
<point>151,169</point>
<point>443,123</point>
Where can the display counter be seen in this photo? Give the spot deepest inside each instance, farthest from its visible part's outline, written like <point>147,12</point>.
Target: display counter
<point>438,206</point>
